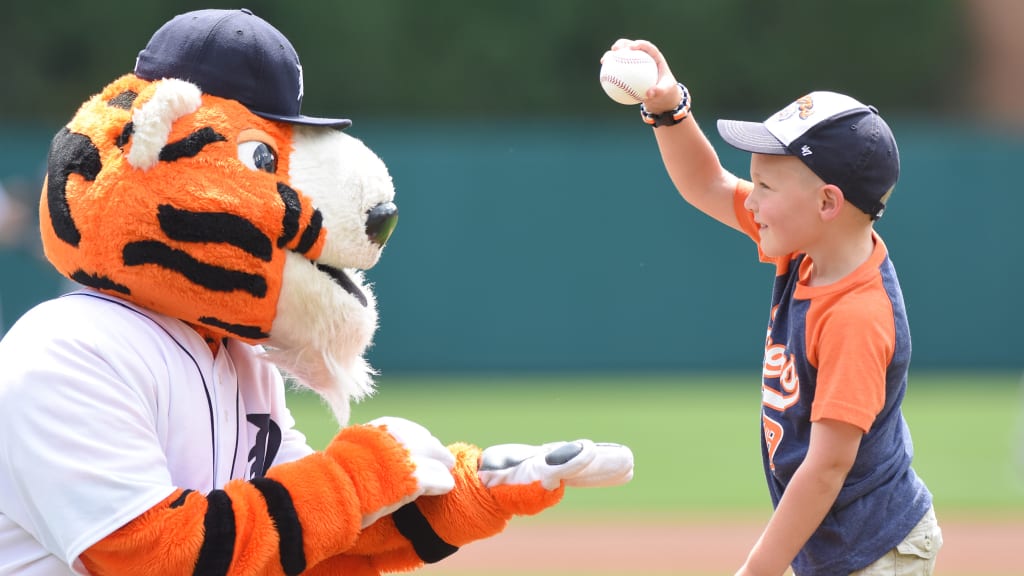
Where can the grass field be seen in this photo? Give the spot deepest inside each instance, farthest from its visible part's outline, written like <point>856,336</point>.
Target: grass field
<point>695,437</point>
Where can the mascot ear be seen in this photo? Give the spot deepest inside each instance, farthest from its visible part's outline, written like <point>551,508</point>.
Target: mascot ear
<point>151,122</point>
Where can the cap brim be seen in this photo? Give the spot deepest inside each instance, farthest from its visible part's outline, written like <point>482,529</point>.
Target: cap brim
<point>336,123</point>
<point>750,136</point>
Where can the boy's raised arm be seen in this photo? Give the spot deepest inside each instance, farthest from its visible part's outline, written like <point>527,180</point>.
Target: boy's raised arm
<point>689,158</point>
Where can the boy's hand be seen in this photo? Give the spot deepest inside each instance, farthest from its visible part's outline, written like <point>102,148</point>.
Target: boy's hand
<point>665,94</point>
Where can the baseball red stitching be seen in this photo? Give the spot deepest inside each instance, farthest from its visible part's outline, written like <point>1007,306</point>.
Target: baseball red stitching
<point>618,83</point>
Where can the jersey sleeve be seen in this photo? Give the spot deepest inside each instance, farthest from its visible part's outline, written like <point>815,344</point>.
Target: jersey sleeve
<point>854,341</point>
<point>78,452</point>
<point>293,444</point>
<point>83,471</point>
<point>743,216</point>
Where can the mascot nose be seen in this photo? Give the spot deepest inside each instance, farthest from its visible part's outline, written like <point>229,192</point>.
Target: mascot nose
<point>381,221</point>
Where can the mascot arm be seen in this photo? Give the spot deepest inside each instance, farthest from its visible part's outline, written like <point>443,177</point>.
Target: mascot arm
<point>301,513</point>
<point>491,486</point>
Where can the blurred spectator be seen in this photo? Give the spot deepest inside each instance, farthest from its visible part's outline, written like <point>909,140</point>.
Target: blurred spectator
<point>18,238</point>
<point>13,219</point>
<point>998,61</point>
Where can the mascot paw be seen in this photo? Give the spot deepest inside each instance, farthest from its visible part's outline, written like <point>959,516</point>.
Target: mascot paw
<point>579,463</point>
<point>432,463</point>
<point>491,486</point>
<point>527,479</point>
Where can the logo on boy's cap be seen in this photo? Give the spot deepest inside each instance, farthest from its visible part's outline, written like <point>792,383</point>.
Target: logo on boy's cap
<point>846,143</point>
<point>233,54</point>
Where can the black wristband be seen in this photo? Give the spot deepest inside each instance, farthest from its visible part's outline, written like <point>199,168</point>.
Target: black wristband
<point>669,117</point>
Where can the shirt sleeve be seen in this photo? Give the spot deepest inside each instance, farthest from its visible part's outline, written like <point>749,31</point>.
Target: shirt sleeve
<point>854,341</point>
<point>293,442</point>
<point>743,216</point>
<point>79,455</point>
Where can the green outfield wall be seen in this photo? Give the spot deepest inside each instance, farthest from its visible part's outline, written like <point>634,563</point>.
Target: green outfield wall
<point>561,245</point>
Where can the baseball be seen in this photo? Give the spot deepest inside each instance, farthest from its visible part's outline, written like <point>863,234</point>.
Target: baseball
<point>626,75</point>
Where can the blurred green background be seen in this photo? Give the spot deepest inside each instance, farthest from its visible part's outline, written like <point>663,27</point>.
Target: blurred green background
<point>546,281</point>
<point>695,437</point>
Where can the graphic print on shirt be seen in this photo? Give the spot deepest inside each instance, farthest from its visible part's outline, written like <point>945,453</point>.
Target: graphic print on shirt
<point>266,445</point>
<point>773,433</point>
<point>778,367</point>
<point>780,382</point>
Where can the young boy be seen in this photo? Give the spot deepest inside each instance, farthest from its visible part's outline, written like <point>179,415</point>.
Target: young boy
<point>836,449</point>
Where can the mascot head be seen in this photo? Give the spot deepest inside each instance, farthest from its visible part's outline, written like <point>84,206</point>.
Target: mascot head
<point>194,187</point>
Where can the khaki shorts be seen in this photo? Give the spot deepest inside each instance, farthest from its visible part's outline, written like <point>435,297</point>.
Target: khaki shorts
<point>915,556</point>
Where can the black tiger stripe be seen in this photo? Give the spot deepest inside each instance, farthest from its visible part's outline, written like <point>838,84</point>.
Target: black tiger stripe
<point>180,500</point>
<point>411,523</point>
<point>292,214</point>
<point>311,233</point>
<point>219,541</point>
<point>125,134</point>
<point>240,330</point>
<point>208,276</point>
<point>286,520</point>
<point>124,100</point>
<point>190,145</point>
<point>99,282</point>
<point>70,153</point>
<point>216,227</point>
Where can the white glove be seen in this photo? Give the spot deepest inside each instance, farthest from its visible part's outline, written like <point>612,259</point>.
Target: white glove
<point>431,460</point>
<point>579,463</point>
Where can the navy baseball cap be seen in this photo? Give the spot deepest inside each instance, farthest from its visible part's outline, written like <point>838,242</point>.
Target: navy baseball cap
<point>233,54</point>
<point>844,142</point>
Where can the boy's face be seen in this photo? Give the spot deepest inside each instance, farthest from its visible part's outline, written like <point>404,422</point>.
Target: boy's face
<point>785,203</point>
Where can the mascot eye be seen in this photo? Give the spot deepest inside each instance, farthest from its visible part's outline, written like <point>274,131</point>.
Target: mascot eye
<point>258,156</point>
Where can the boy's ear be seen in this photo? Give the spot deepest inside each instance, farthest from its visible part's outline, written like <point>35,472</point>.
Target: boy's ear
<point>830,201</point>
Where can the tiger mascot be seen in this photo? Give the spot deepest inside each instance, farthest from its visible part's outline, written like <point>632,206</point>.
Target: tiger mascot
<point>219,237</point>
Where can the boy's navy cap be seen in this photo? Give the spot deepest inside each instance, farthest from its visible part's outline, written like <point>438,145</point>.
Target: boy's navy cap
<point>233,54</point>
<point>844,142</point>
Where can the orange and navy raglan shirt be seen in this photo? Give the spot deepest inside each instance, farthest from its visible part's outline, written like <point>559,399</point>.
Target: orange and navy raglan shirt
<point>840,351</point>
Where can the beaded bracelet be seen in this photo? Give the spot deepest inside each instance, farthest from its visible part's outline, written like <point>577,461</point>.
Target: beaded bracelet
<point>669,117</point>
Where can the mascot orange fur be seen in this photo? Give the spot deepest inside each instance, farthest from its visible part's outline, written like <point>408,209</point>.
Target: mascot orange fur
<point>219,235</point>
